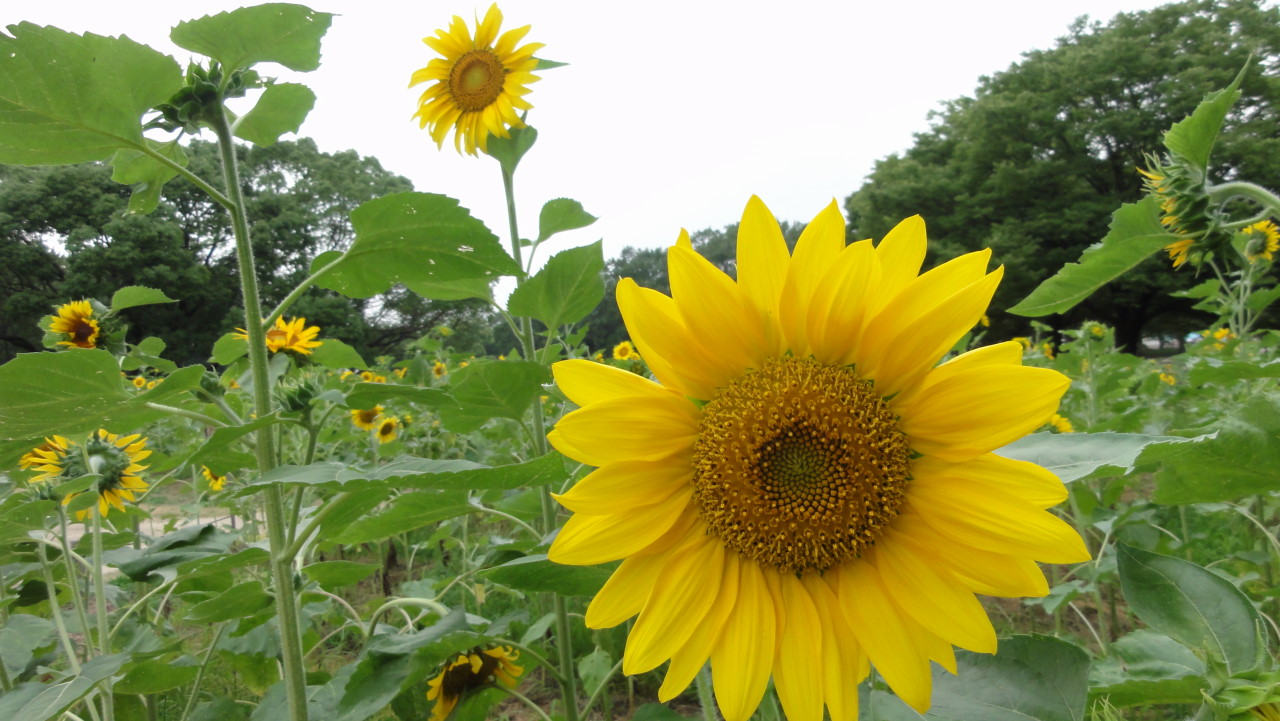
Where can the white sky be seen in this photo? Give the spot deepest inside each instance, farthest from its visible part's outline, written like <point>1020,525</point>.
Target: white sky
<point>670,114</point>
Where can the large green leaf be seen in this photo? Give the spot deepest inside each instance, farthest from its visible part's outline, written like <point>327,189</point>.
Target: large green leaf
<point>1241,458</point>
<point>560,215</point>
<point>67,98</point>
<point>336,574</point>
<point>407,512</point>
<point>1190,604</point>
<point>145,175</point>
<point>418,239</point>
<point>492,389</point>
<point>40,702</point>
<point>186,544</point>
<point>157,676</point>
<point>217,451</point>
<point>280,110</point>
<point>1212,370</point>
<point>1135,233</point>
<point>21,635</point>
<point>1146,668</point>
<point>535,574</point>
<point>1192,138</point>
<point>569,287</point>
<point>132,296</point>
<point>368,395</point>
<point>333,353</point>
<point>1073,456</point>
<point>275,32</point>
<point>239,601</point>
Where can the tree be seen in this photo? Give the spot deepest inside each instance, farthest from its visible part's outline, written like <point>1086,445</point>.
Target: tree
<point>1033,165</point>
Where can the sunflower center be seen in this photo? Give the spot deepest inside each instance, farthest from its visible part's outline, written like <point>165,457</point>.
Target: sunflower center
<point>476,79</point>
<point>799,465</point>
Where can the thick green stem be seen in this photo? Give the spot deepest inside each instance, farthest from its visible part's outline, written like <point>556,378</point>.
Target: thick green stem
<point>705,696</point>
<point>73,580</point>
<point>564,646</point>
<point>281,567</point>
<point>55,609</point>
<point>204,665</point>
<point>100,609</point>
<point>1240,188</point>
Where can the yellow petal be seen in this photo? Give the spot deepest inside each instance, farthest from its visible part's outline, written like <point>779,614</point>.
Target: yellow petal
<point>586,382</point>
<point>762,267</point>
<point>742,656</point>
<point>989,475</point>
<point>1000,524</point>
<point>1001,354</point>
<point>931,596</point>
<point>624,594</point>
<point>901,254</point>
<point>677,604</point>
<point>716,313</point>
<point>885,634</point>
<point>674,355</point>
<point>619,486</point>
<point>816,250</point>
<point>689,658</point>
<point>843,664</point>
<point>838,309</point>
<point>627,429</point>
<point>800,643</point>
<point>586,540</point>
<point>980,409</point>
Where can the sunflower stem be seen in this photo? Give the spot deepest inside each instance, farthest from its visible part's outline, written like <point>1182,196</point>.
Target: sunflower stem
<point>100,608</point>
<point>705,695</point>
<point>73,579</point>
<point>564,646</point>
<point>526,701</point>
<point>281,566</point>
<point>204,665</point>
<point>55,609</point>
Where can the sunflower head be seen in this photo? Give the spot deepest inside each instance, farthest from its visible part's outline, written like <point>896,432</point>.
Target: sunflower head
<point>366,419</point>
<point>1186,209</point>
<point>115,458</point>
<point>804,480</point>
<point>1168,378</point>
<point>293,336</point>
<point>1061,424</point>
<point>439,369</point>
<point>624,351</point>
<point>215,481</point>
<point>388,429</point>
<point>1262,240</point>
<point>477,85</point>
<point>76,324</point>
<point>475,669</point>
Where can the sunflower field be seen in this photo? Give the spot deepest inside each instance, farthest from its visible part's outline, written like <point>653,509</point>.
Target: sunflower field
<point>812,488</point>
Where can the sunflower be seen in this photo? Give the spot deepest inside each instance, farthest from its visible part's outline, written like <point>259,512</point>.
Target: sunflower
<point>216,482</point>
<point>289,336</point>
<point>75,320</point>
<point>366,419</point>
<point>804,487</point>
<point>1061,424</point>
<point>114,457</point>
<point>439,369</point>
<point>477,668</point>
<point>139,382</point>
<point>625,351</point>
<point>387,429</point>
<point>1267,243</point>
<point>1179,251</point>
<point>478,85</point>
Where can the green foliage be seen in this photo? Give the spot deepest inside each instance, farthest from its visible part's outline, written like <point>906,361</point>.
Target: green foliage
<point>280,110</point>
<point>272,32</point>
<point>567,288</point>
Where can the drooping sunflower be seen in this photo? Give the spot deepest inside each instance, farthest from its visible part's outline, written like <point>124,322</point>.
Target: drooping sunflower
<point>116,458</point>
<point>388,429</point>
<point>465,672</point>
<point>75,320</point>
<point>215,481</point>
<point>804,490</point>
<point>1264,241</point>
<point>366,419</point>
<point>478,86</point>
<point>291,335</point>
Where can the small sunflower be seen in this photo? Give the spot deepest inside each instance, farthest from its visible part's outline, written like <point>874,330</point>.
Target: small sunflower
<point>139,382</point>
<point>291,335</point>
<point>804,487</point>
<point>1168,378</point>
<point>400,372</point>
<point>624,351</point>
<point>114,457</point>
<point>216,482</point>
<point>439,369</point>
<point>1266,243</point>
<point>469,671</point>
<point>388,429</point>
<point>366,419</point>
<point>75,321</point>
<point>1061,424</point>
<point>478,86</point>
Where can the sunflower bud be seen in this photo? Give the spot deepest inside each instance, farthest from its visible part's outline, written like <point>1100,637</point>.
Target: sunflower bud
<point>1186,210</point>
<point>199,101</point>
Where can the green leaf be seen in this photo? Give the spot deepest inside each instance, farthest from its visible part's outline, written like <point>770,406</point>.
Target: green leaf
<point>1145,668</point>
<point>68,98</point>
<point>280,110</point>
<point>147,353</point>
<point>144,174</point>
<point>40,702</point>
<point>333,353</point>
<point>1134,235</point>
<point>427,242</point>
<point>239,601</point>
<point>216,451</point>
<point>1192,605</point>
<point>509,151</point>
<point>1226,373</point>
<point>1240,458</point>
<point>569,287</point>
<point>492,389</point>
<point>21,635</point>
<point>186,544</point>
<point>594,668</point>
<point>368,395</point>
<point>415,473</point>
<point>544,64</point>
<point>157,676</point>
<point>228,349</point>
<point>132,296</point>
<point>560,215</point>
<point>335,574</point>
<point>1192,138</point>
<point>1073,456</point>
<point>535,574</point>
<point>274,32</point>
<point>656,712</point>
<point>407,512</point>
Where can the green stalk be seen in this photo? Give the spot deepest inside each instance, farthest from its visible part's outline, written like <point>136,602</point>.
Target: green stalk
<point>1260,195</point>
<point>100,609</point>
<point>569,684</point>
<point>55,610</point>
<point>77,599</point>
<point>705,695</point>
<point>281,566</point>
<point>204,665</point>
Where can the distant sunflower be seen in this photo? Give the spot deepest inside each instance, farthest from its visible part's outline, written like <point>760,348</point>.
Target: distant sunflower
<point>439,369</point>
<point>75,320</point>
<point>625,351</point>
<point>291,335</point>
<point>388,429</point>
<point>1266,243</point>
<point>1061,424</point>
<point>114,457</point>
<point>366,419</point>
<point>804,490</point>
<point>478,86</point>
<point>469,671</point>
<point>216,482</point>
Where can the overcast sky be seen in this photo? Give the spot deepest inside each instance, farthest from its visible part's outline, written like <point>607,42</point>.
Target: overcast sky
<point>670,114</point>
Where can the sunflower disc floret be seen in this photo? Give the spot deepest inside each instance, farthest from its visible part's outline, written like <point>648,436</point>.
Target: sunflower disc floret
<point>803,480</point>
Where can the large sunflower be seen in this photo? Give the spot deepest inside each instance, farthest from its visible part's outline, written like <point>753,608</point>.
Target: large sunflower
<point>469,671</point>
<point>804,490</point>
<point>115,458</point>
<point>478,85</point>
<point>75,320</point>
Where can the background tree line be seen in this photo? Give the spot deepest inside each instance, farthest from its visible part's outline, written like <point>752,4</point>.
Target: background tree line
<point>1031,165</point>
